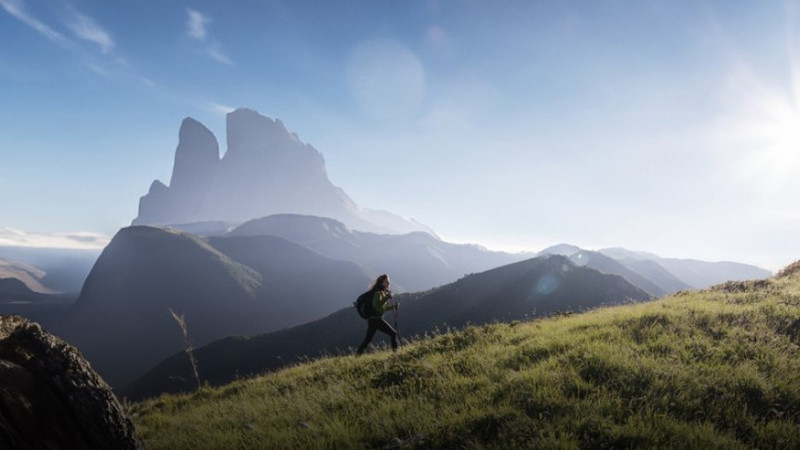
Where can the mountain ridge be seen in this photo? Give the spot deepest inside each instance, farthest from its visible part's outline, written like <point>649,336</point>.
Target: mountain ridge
<point>147,271</point>
<point>417,260</point>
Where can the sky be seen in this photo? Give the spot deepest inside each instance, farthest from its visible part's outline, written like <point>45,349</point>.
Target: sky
<point>671,127</point>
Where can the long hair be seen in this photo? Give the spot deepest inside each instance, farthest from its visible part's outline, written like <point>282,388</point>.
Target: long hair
<point>378,285</point>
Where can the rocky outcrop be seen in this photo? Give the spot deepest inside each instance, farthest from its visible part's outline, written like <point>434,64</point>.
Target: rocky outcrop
<point>51,398</point>
<point>266,170</point>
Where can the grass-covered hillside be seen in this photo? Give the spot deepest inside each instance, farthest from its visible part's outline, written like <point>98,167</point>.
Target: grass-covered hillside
<point>535,287</point>
<point>712,369</point>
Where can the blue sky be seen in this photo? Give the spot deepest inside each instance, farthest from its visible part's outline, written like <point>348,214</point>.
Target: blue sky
<point>666,126</point>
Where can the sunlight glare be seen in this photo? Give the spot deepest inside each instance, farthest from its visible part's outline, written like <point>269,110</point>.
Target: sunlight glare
<point>769,128</point>
<point>782,150</point>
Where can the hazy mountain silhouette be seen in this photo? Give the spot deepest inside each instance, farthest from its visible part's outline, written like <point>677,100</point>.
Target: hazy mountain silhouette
<point>655,273</point>
<point>17,299</point>
<point>703,274</point>
<point>14,290</point>
<point>532,287</point>
<point>605,264</point>
<point>560,249</point>
<point>620,253</point>
<point>22,292</point>
<point>416,261</point>
<point>223,286</point>
<point>31,277</point>
<point>50,269</point>
<point>266,170</point>
<point>665,275</point>
<point>696,274</point>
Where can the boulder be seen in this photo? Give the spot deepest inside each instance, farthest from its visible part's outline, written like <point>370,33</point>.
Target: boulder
<point>51,398</point>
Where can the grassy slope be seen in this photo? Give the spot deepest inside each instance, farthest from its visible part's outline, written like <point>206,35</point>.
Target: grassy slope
<point>713,369</point>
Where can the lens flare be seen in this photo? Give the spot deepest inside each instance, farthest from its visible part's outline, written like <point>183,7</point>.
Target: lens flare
<point>547,284</point>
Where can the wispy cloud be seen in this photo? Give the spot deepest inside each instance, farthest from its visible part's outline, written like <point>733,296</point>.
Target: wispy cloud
<point>214,51</point>
<point>85,28</point>
<point>197,30</point>
<point>82,26</point>
<point>78,28</point>
<point>218,108</point>
<point>76,240</point>
<point>196,24</point>
<point>16,8</point>
<point>98,69</point>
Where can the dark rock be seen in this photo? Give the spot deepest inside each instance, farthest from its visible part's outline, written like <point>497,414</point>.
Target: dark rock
<point>51,398</point>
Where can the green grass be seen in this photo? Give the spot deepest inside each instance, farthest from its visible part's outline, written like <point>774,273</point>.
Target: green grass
<point>712,369</point>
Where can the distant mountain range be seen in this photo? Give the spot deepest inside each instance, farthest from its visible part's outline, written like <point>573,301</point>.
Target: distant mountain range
<point>266,170</point>
<point>276,272</point>
<point>251,280</point>
<point>30,277</point>
<point>658,275</point>
<point>47,270</point>
<point>416,261</point>
<point>22,291</point>
<point>533,287</point>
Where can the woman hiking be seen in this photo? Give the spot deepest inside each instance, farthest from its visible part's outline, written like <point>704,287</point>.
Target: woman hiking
<point>381,302</point>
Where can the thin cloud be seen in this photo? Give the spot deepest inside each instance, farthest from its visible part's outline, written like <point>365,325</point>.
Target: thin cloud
<point>214,51</point>
<point>16,8</point>
<point>196,25</point>
<point>82,26</point>
<point>219,108</point>
<point>76,240</point>
<point>197,30</point>
<point>98,69</point>
<point>85,28</point>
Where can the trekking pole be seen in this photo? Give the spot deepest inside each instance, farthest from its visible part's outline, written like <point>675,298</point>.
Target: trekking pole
<point>396,326</point>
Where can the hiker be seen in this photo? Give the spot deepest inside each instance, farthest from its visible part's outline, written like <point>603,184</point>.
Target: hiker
<point>381,302</point>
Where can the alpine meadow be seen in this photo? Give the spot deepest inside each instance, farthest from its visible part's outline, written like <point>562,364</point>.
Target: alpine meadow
<point>713,369</point>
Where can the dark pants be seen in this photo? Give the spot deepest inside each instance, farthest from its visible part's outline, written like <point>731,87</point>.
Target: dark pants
<point>374,324</point>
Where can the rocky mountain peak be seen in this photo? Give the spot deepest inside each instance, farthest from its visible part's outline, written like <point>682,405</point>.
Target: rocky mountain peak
<point>266,170</point>
<point>250,133</point>
<point>197,156</point>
